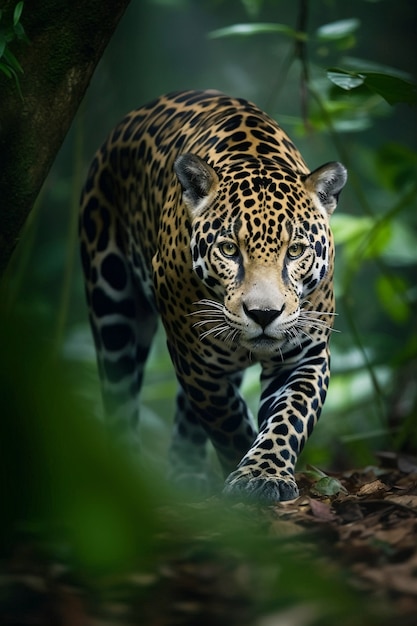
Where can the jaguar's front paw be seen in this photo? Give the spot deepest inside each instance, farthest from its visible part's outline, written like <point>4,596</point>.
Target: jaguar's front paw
<point>245,484</point>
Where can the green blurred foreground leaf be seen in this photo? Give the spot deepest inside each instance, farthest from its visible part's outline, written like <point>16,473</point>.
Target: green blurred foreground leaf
<point>59,472</point>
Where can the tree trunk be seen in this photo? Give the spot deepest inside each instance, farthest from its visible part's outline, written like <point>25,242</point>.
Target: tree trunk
<point>67,39</point>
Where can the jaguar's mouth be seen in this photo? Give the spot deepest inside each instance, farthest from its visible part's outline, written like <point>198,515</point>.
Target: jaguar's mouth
<point>264,343</point>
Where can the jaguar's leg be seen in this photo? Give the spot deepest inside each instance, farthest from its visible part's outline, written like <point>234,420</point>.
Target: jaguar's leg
<point>123,321</point>
<point>227,424</point>
<point>188,451</point>
<point>123,331</point>
<point>231,426</point>
<point>125,345</point>
<point>214,402</point>
<point>291,402</point>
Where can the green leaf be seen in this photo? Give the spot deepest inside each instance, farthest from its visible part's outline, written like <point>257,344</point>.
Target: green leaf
<point>392,89</point>
<point>337,30</point>
<point>325,485</point>
<point>328,486</point>
<point>6,70</point>
<point>2,46</point>
<point>345,80</point>
<point>348,228</point>
<point>260,28</point>
<point>391,292</point>
<point>361,237</point>
<point>402,248</point>
<point>378,240</point>
<point>12,61</point>
<point>17,12</point>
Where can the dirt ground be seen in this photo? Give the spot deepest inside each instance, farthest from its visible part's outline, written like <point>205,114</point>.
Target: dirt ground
<point>363,523</point>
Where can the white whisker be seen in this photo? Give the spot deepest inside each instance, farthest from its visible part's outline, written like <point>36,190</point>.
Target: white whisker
<point>211,304</point>
<point>308,322</point>
<point>315,323</point>
<point>311,319</point>
<point>212,312</point>
<point>207,321</point>
<point>215,331</point>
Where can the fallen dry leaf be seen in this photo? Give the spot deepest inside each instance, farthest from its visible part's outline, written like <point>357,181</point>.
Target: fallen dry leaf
<point>375,487</point>
<point>321,510</point>
<point>409,501</point>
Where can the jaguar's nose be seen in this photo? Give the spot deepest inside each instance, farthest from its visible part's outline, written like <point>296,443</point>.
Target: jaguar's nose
<point>263,317</point>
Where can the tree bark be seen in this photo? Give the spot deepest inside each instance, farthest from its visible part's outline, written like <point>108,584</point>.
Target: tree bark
<point>67,39</point>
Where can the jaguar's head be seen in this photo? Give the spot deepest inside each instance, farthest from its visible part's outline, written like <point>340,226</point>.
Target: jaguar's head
<point>262,246</point>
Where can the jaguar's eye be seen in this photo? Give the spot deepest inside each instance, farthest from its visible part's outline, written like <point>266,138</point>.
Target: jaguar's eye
<point>295,250</point>
<point>229,249</point>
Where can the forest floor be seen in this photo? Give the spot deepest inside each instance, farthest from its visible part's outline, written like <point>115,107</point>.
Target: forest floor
<point>359,527</point>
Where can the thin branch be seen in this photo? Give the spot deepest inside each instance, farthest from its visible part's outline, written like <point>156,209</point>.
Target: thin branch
<point>297,52</point>
<point>350,319</point>
<point>300,53</point>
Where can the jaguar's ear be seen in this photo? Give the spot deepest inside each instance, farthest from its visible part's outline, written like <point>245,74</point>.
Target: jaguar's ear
<point>326,183</point>
<point>198,181</point>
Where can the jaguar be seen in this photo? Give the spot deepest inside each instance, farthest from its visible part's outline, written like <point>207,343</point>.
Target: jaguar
<point>199,209</point>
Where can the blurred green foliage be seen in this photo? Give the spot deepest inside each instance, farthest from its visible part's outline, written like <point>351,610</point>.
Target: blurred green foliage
<point>60,475</point>
<point>57,468</point>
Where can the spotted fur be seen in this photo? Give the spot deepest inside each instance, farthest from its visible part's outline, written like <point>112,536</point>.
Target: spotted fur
<point>198,208</point>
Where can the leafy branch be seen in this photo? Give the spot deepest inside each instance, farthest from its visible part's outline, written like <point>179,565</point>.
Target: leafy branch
<point>9,33</point>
